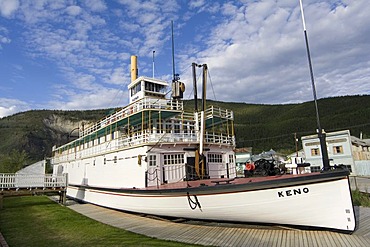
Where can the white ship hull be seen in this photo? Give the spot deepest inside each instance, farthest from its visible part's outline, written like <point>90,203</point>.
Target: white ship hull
<point>323,202</point>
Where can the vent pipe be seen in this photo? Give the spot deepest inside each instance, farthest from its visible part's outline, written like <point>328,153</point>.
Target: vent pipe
<point>134,71</point>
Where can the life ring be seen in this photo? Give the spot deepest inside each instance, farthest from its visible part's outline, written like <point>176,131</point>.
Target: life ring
<point>249,167</point>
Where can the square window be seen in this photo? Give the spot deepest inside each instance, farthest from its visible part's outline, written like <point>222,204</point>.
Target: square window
<point>337,149</point>
<point>173,159</point>
<point>315,152</point>
<point>152,160</point>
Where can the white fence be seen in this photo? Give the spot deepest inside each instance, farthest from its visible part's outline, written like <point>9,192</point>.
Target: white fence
<point>362,167</point>
<point>360,183</point>
<point>29,181</point>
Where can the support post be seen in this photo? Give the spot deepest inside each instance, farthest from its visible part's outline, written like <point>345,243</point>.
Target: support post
<point>63,196</point>
<point>1,200</point>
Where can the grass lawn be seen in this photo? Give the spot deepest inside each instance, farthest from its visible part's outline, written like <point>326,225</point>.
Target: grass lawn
<point>39,221</point>
<point>360,198</point>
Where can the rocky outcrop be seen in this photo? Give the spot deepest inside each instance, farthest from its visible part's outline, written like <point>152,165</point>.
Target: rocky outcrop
<point>62,124</point>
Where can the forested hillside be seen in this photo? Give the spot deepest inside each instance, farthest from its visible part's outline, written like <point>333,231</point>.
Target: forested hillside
<point>29,136</point>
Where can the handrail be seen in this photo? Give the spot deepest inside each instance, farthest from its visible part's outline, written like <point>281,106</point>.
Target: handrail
<point>142,138</point>
<point>31,181</point>
<point>145,103</point>
<point>213,111</point>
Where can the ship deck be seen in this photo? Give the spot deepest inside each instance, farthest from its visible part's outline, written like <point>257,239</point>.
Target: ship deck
<point>242,180</point>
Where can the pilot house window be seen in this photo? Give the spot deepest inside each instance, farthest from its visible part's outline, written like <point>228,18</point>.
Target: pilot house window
<point>152,87</point>
<point>136,89</point>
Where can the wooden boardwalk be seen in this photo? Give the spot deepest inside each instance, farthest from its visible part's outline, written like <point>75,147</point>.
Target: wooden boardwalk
<point>209,234</point>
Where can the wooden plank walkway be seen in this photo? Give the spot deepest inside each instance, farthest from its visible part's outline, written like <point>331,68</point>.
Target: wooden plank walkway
<point>209,234</point>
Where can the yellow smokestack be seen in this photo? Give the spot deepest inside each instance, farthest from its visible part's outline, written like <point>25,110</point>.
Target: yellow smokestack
<point>133,68</point>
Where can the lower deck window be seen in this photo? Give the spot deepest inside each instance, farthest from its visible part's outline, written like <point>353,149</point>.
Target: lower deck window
<point>231,159</point>
<point>173,159</point>
<point>315,168</point>
<point>152,160</point>
<point>214,158</point>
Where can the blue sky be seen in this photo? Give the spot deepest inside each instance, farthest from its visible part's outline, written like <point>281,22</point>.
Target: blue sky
<point>75,55</point>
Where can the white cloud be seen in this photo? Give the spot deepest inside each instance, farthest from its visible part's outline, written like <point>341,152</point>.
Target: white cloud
<point>96,5</point>
<point>8,7</point>
<point>4,40</point>
<point>255,50</point>
<point>73,10</point>
<point>3,37</point>
<point>196,4</point>
<point>12,106</point>
<point>105,98</point>
<point>257,53</point>
<point>118,76</point>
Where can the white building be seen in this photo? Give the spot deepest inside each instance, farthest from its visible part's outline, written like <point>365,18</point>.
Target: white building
<point>343,149</point>
<point>37,168</point>
<point>361,155</point>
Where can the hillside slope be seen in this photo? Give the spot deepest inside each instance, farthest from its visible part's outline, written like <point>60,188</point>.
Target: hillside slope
<point>259,126</point>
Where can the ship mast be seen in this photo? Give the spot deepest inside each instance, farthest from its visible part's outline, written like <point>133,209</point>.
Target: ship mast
<point>194,65</point>
<point>202,117</point>
<point>321,134</point>
<point>199,157</point>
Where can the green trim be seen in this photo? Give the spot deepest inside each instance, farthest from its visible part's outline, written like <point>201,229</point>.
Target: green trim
<point>136,119</point>
<point>133,119</point>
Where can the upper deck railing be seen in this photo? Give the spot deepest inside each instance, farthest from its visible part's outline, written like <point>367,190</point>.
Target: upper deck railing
<point>183,127</point>
<point>142,138</point>
<point>145,103</point>
<point>218,112</point>
<point>9,181</point>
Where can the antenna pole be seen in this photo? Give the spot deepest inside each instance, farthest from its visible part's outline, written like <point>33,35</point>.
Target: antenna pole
<point>153,63</point>
<point>321,135</point>
<point>173,53</point>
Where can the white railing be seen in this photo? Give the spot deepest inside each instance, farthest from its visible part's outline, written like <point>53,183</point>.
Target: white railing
<point>149,103</point>
<point>145,138</point>
<point>219,139</point>
<point>145,103</point>
<point>218,112</point>
<point>29,181</point>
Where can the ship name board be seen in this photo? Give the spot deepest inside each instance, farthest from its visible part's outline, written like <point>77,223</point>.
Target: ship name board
<point>293,192</point>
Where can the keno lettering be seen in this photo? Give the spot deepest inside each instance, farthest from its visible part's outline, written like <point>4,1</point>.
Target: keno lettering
<point>293,192</point>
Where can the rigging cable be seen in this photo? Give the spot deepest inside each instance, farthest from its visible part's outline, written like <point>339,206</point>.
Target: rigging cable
<point>210,81</point>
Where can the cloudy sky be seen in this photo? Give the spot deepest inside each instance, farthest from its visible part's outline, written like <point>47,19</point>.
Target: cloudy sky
<point>75,54</point>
